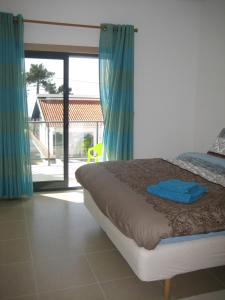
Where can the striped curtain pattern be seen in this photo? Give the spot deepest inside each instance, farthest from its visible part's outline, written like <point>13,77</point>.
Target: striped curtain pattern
<point>116,81</point>
<point>15,168</point>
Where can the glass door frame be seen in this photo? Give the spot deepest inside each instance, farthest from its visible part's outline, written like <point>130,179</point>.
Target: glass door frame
<point>57,184</point>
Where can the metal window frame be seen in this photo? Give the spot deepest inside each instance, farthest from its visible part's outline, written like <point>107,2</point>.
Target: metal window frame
<point>59,184</point>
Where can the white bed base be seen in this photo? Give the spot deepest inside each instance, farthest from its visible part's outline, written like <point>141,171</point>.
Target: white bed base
<point>167,260</point>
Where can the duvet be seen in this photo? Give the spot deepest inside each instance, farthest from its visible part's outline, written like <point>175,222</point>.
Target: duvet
<point>119,190</point>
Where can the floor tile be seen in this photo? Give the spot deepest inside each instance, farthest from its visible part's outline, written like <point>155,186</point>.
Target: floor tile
<point>61,273</point>
<point>132,289</point>
<point>59,228</point>
<point>218,295</point>
<point>30,297</point>
<point>16,250</point>
<point>64,240</point>
<point>91,240</point>
<point>49,248</point>
<point>219,273</point>
<point>13,213</point>
<point>109,265</point>
<point>75,218</point>
<point>194,283</point>
<point>55,213</point>
<point>74,196</point>
<point>91,292</point>
<point>12,230</point>
<point>11,203</point>
<point>41,207</point>
<point>16,280</point>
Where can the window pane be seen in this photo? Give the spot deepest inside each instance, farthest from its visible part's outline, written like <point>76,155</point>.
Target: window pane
<point>85,116</point>
<point>44,78</point>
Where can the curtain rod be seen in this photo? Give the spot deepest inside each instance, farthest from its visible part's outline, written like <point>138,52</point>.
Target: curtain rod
<point>65,24</point>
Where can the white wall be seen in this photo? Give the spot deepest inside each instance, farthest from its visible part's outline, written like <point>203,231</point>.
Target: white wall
<point>179,62</point>
<point>210,97</point>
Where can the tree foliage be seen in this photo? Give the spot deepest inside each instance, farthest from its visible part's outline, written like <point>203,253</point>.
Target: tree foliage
<point>50,88</point>
<point>40,76</point>
<point>61,89</point>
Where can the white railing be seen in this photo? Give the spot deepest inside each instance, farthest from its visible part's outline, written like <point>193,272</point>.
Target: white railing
<point>47,140</point>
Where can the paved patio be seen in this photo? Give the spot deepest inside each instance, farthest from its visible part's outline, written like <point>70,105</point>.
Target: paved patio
<point>43,172</point>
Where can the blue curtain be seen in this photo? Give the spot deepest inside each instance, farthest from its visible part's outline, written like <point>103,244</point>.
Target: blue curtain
<point>116,81</point>
<point>15,168</point>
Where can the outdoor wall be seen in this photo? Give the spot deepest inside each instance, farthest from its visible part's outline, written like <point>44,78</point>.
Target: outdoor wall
<point>179,62</point>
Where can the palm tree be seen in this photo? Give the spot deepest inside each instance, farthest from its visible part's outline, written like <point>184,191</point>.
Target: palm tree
<point>41,76</point>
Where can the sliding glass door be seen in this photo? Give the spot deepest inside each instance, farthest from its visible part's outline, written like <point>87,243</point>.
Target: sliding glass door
<point>47,94</point>
<point>85,115</point>
<point>65,116</point>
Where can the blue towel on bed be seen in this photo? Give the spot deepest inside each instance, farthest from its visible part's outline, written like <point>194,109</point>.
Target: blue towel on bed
<point>179,186</point>
<point>185,193</point>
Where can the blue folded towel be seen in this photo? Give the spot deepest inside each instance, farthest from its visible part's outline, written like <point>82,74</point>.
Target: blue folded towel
<point>175,195</point>
<point>179,186</point>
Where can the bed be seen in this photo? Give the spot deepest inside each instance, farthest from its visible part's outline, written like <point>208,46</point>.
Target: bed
<point>159,239</point>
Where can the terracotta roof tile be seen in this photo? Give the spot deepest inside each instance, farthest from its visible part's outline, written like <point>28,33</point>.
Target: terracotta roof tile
<point>79,110</point>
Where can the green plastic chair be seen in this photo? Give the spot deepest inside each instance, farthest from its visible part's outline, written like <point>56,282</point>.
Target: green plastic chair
<point>95,153</point>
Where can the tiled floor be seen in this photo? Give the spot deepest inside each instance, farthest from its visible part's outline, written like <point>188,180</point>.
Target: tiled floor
<point>52,249</point>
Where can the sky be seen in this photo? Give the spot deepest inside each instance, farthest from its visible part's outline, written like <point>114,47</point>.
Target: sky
<point>83,77</point>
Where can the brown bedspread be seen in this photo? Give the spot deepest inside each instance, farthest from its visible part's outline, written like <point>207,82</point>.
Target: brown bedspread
<point>119,190</point>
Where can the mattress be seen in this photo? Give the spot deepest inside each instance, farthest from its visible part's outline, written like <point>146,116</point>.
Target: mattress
<point>166,259</point>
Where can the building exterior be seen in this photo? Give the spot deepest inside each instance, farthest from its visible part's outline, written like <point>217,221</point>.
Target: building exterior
<point>46,126</point>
